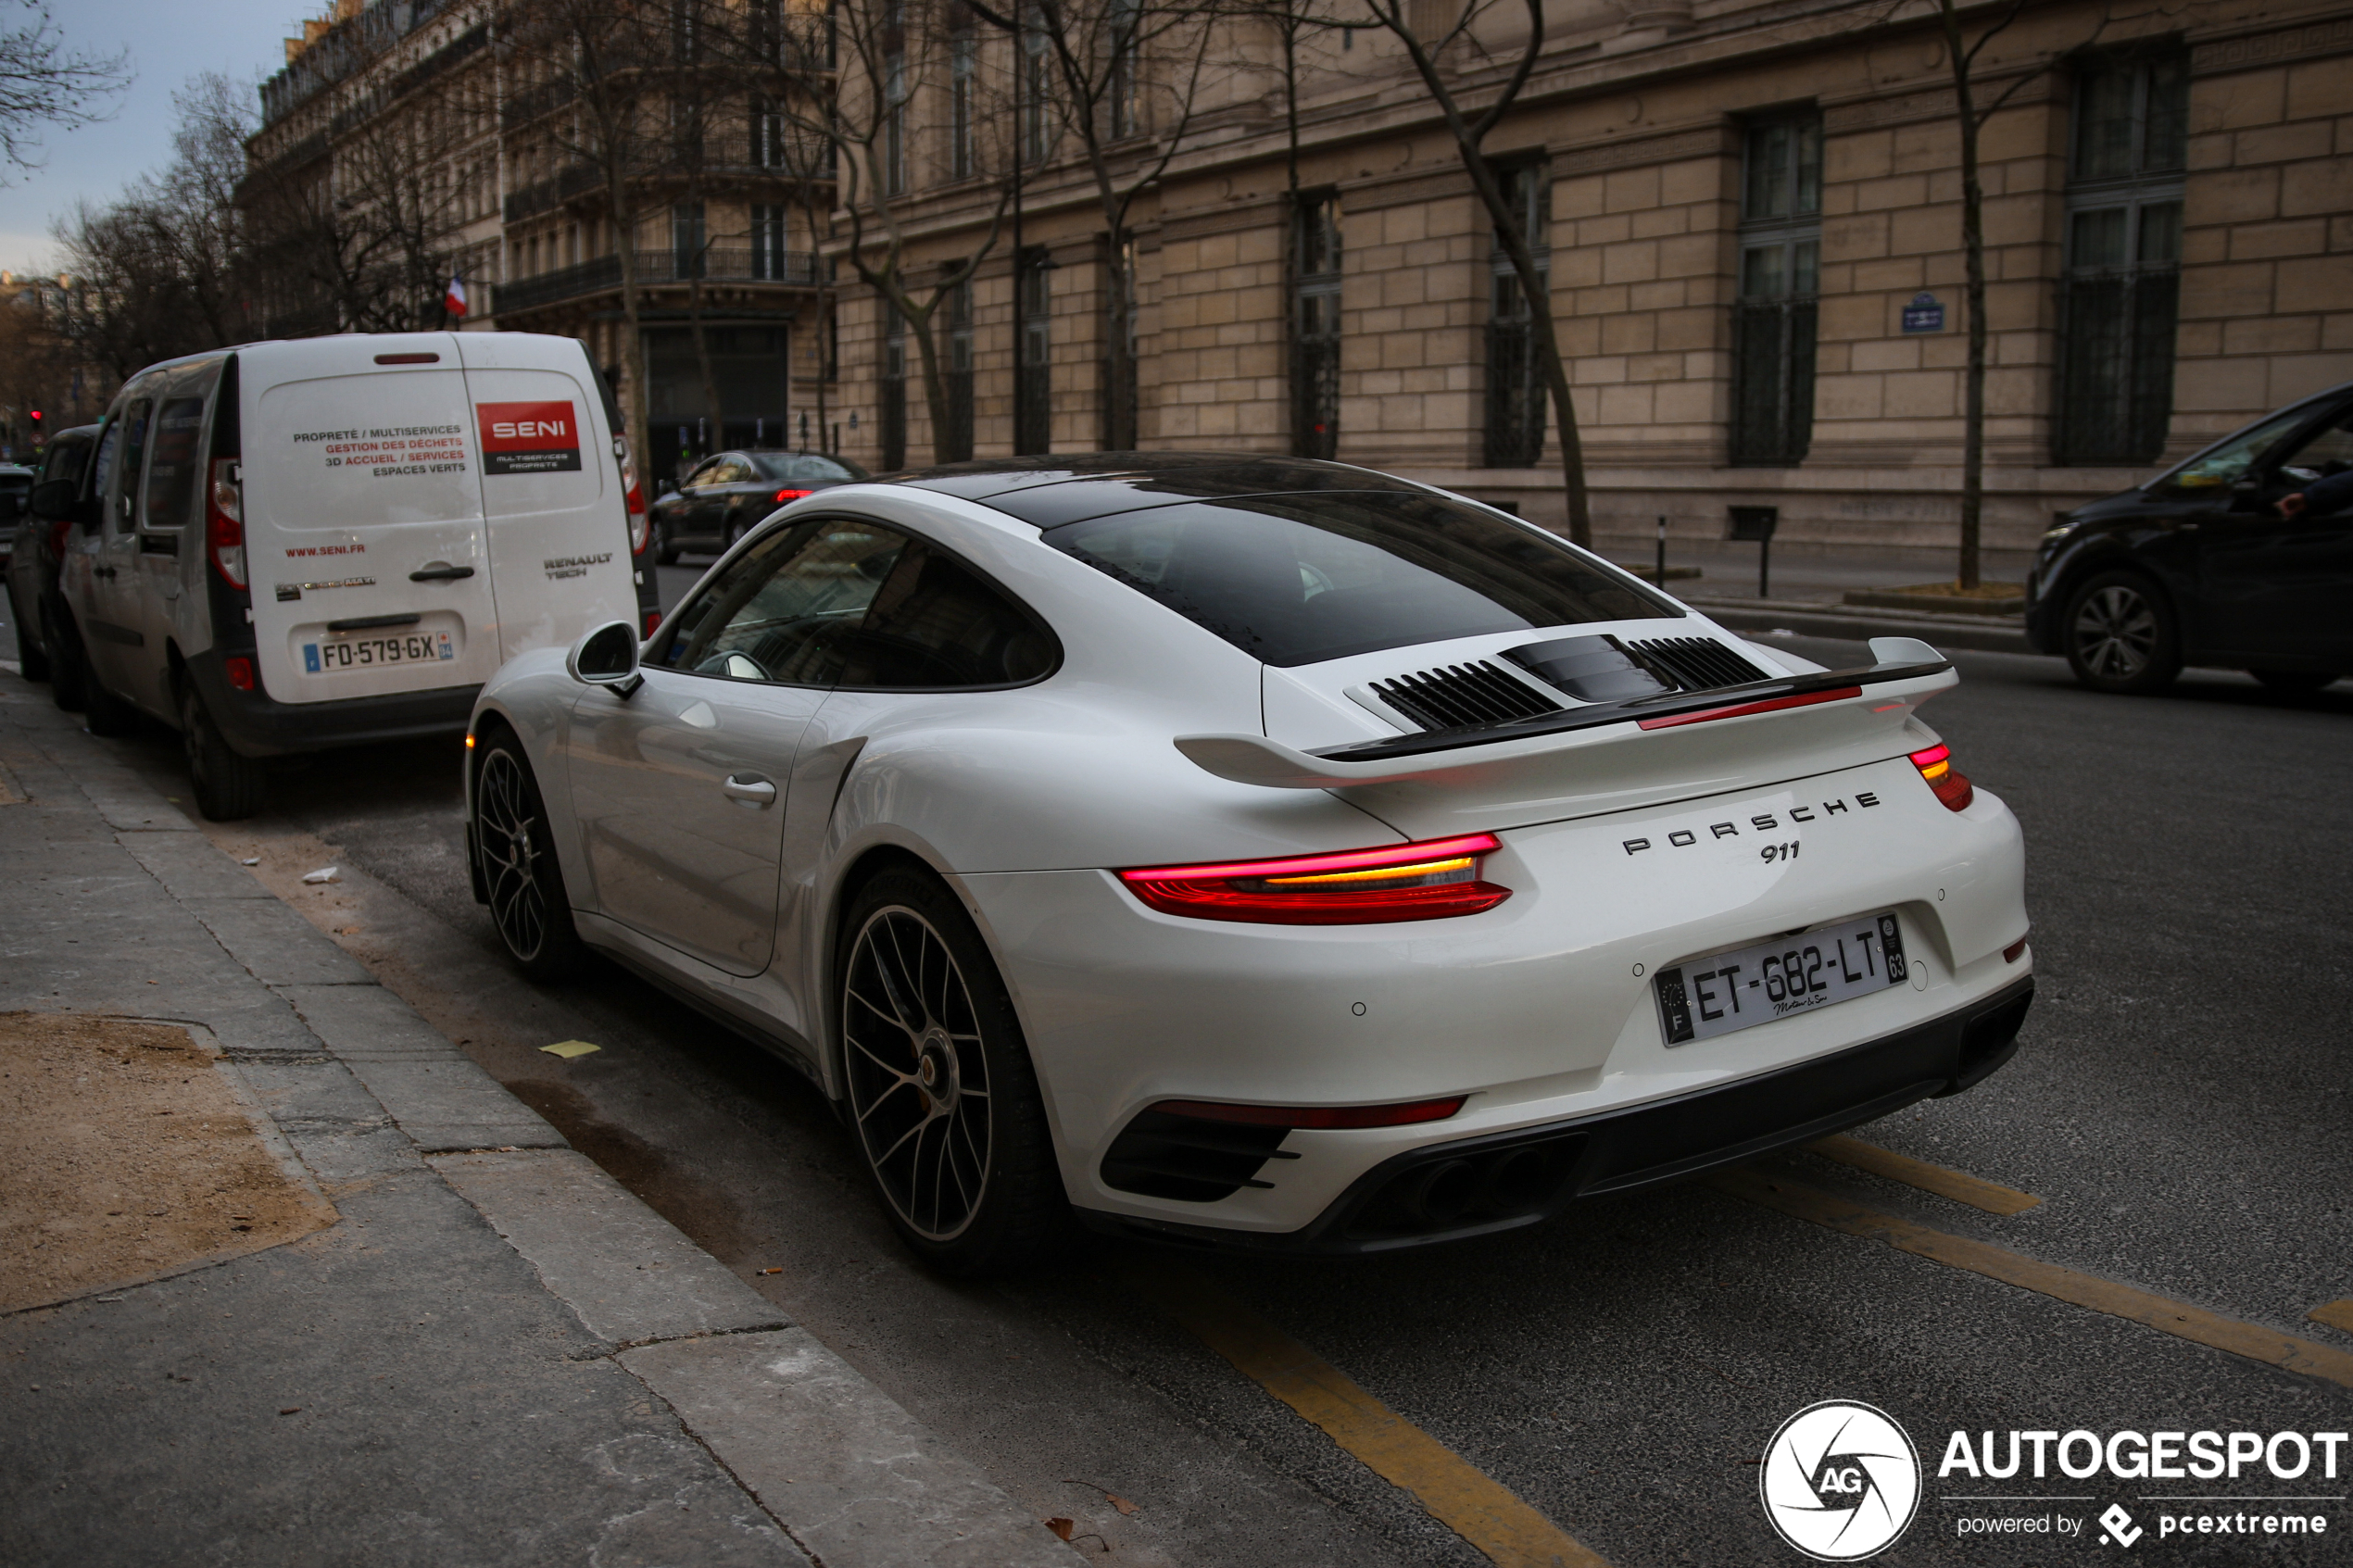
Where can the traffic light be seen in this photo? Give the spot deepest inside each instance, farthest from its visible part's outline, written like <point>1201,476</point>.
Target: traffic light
<point>35,415</point>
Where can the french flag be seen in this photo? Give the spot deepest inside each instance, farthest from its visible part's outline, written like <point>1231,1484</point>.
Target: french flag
<point>455,300</point>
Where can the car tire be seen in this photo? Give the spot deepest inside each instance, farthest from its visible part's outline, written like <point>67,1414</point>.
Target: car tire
<point>517,855</point>
<point>969,1178</point>
<point>2297,681</point>
<point>32,659</point>
<point>2121,635</point>
<point>665,553</point>
<point>69,676</point>
<point>228,784</point>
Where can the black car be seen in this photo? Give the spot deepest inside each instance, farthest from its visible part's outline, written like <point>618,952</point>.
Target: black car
<point>730,492</point>
<point>2199,566</point>
<point>39,547</point>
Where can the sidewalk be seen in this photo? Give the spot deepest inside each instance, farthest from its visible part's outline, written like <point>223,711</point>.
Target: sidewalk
<point>475,1349</point>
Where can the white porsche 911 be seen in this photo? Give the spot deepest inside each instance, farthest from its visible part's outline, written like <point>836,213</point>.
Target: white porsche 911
<point>1253,851</point>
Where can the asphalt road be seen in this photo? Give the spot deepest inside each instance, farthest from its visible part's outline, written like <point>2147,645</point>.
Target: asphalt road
<point>2180,1107</point>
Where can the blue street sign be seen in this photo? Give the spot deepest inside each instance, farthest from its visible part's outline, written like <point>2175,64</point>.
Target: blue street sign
<point>1924,314</point>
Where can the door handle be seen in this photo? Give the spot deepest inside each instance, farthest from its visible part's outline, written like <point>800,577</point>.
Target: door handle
<point>440,571</point>
<point>749,788</point>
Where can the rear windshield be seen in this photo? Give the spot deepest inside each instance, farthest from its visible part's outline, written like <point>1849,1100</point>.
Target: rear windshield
<point>1296,581</point>
<point>806,465</point>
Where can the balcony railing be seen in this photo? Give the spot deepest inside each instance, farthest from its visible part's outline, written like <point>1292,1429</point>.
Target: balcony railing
<point>561,186</point>
<point>661,267</point>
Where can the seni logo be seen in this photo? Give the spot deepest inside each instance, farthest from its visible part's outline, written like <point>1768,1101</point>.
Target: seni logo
<point>528,437</point>
<point>1841,1481</point>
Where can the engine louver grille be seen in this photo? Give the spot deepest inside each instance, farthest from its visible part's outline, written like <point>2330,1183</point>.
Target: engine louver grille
<point>1696,664</point>
<point>1461,695</point>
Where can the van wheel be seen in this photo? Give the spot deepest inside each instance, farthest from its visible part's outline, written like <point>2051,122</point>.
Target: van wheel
<point>68,677</point>
<point>228,783</point>
<point>941,1090</point>
<point>33,660</point>
<point>518,856</point>
<point>2121,635</point>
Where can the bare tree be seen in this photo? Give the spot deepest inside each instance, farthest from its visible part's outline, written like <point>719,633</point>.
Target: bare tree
<point>899,61</point>
<point>1470,131</point>
<point>43,84</point>
<point>1123,80</point>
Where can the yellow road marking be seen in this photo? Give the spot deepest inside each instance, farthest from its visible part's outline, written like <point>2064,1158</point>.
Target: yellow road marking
<point>1958,1185</point>
<point>2336,1314</point>
<point>2177,1318</point>
<point>1455,1492</point>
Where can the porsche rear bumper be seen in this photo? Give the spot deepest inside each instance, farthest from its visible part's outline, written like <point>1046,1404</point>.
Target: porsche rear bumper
<point>1503,1181</point>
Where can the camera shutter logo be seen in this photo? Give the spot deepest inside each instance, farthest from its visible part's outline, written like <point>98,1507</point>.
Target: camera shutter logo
<point>1841,1481</point>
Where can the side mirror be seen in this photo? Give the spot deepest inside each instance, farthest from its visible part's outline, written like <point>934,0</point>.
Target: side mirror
<point>607,657</point>
<point>51,500</point>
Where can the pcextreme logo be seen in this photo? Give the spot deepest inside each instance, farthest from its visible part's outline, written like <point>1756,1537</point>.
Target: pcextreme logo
<point>1841,1481</point>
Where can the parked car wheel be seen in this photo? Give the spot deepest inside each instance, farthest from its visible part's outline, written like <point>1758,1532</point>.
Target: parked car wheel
<point>941,1089</point>
<point>2295,680</point>
<point>69,676</point>
<point>527,902</point>
<point>32,659</point>
<point>665,553</point>
<point>2121,634</point>
<point>229,785</point>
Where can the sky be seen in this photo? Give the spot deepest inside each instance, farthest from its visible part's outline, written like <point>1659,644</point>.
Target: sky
<point>169,41</point>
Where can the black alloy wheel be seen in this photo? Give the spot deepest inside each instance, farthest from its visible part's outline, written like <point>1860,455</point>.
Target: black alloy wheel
<point>228,784</point>
<point>528,908</point>
<point>2121,635</point>
<point>941,1091</point>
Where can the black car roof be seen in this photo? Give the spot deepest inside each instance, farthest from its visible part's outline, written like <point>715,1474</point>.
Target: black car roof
<point>1071,487</point>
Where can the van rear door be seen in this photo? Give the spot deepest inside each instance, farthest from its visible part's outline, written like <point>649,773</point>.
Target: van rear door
<point>363,518</point>
<point>557,525</point>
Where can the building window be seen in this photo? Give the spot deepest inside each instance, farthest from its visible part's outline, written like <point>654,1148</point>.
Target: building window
<point>1774,312</point>
<point>1036,86</point>
<point>767,135</point>
<point>2119,301</point>
<point>1515,380</point>
<point>895,125</point>
<point>894,390</point>
<point>687,241</point>
<point>1034,345</point>
<point>1121,93</point>
<point>963,60</point>
<point>769,259</point>
<point>1315,345</point>
<point>956,444</point>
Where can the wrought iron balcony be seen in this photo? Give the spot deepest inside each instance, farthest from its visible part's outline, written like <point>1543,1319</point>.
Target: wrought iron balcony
<point>663,268</point>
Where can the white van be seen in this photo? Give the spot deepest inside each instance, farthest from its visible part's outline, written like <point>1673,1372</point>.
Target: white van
<point>293,546</point>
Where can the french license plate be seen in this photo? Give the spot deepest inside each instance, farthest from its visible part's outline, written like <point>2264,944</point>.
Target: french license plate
<point>1704,997</point>
<point>370,652</point>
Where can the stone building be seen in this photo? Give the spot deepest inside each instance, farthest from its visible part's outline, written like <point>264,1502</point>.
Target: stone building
<point>1749,215</point>
<point>485,149</point>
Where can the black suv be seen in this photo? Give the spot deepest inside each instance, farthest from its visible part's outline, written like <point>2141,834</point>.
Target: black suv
<point>2199,566</point>
<point>730,492</point>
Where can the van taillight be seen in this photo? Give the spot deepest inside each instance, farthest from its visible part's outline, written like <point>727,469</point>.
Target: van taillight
<point>641,526</point>
<point>224,521</point>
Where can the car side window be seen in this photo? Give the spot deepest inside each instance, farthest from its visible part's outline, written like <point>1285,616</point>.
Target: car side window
<point>2227,464</point>
<point>2329,451</point>
<point>728,470</point>
<point>130,456</point>
<point>706,474</point>
<point>843,602</point>
<point>172,465</point>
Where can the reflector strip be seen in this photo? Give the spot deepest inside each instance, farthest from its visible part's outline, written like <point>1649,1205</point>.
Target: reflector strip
<point>1380,874</point>
<point>1316,1116</point>
<point>1770,705</point>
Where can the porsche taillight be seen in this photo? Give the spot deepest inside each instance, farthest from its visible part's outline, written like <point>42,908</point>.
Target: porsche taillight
<point>1952,785</point>
<point>224,522</point>
<point>1433,880</point>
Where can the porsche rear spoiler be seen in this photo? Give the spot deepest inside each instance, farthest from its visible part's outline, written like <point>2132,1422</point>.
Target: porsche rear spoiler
<point>1911,670</point>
